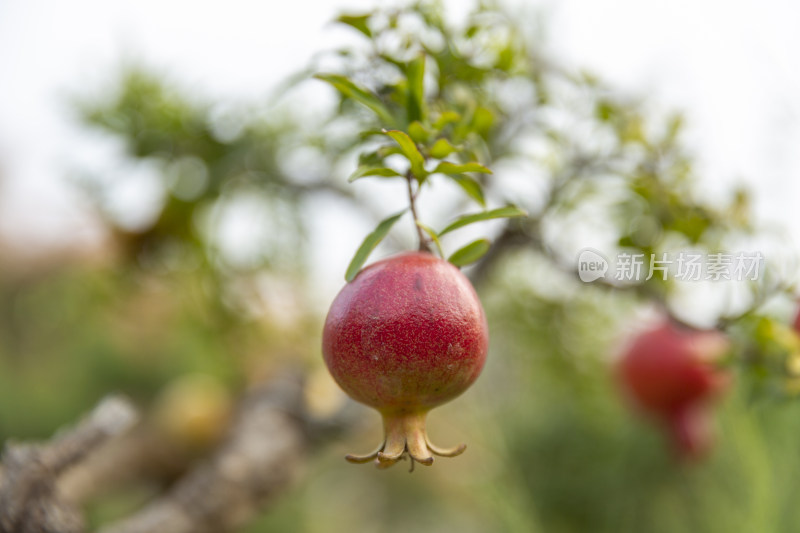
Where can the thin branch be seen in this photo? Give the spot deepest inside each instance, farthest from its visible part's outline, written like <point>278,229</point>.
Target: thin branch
<point>424,245</point>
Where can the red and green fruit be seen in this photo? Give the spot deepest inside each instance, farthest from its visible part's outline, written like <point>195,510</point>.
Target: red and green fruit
<point>406,335</point>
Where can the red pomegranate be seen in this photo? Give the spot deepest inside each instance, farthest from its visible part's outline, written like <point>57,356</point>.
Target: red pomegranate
<point>669,372</point>
<point>407,334</point>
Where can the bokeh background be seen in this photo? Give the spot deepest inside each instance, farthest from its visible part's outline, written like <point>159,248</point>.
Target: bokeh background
<point>175,219</point>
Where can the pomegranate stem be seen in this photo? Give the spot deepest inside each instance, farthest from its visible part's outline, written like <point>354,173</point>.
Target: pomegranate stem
<point>412,202</point>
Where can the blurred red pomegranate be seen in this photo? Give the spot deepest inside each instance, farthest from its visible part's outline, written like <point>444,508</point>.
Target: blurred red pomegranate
<point>669,372</point>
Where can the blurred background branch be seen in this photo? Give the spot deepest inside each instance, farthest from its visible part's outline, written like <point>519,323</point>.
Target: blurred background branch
<point>29,496</point>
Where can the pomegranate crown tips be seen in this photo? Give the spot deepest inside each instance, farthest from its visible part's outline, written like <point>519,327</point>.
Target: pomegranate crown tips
<point>408,333</point>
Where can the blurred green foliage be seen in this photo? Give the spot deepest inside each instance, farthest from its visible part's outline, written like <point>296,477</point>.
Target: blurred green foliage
<point>553,445</point>
<point>208,162</point>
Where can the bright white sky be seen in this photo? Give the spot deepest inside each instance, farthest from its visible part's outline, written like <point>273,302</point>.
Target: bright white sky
<point>732,65</point>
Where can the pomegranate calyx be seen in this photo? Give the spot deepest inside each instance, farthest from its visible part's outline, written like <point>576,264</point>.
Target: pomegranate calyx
<point>405,438</point>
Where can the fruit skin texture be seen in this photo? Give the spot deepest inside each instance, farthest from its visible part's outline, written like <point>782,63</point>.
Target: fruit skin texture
<point>407,334</point>
<point>669,373</point>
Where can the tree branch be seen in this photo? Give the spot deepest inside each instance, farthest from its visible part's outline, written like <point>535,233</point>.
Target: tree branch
<point>29,499</point>
<point>264,452</point>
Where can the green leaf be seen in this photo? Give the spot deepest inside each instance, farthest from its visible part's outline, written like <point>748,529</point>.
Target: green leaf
<point>605,111</point>
<point>471,187</point>
<point>448,117</point>
<point>370,159</point>
<point>370,242</point>
<point>502,212</point>
<point>415,73</point>
<point>361,95</point>
<point>505,59</point>
<point>417,132</point>
<point>411,152</point>
<point>358,22</point>
<point>386,151</point>
<point>364,172</point>
<point>674,128</point>
<point>369,132</point>
<point>434,237</point>
<point>470,253</point>
<point>482,121</point>
<point>446,167</point>
<point>442,148</point>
